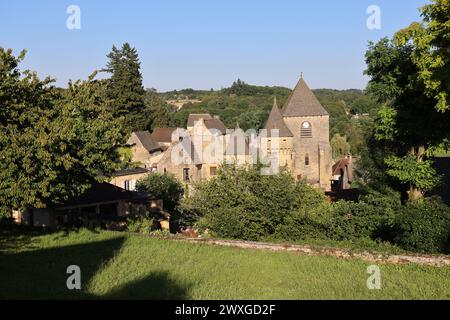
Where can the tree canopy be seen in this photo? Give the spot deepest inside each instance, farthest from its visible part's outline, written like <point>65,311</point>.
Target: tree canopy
<point>53,143</point>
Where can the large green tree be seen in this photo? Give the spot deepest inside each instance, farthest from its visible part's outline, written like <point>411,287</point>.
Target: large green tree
<point>53,143</point>
<point>431,55</point>
<point>125,87</point>
<point>409,123</point>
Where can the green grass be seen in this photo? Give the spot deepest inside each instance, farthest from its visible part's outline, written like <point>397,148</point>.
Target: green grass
<point>115,265</point>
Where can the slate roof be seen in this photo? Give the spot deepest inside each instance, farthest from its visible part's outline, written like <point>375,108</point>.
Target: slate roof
<point>276,121</point>
<point>303,103</point>
<point>147,141</point>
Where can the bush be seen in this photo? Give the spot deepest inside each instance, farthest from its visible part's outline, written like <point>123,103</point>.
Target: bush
<point>241,203</point>
<point>162,186</point>
<point>140,224</point>
<point>424,226</point>
<point>372,217</point>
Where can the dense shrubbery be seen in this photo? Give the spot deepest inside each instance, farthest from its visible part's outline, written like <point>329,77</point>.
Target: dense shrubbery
<point>243,204</point>
<point>424,226</point>
<point>162,186</point>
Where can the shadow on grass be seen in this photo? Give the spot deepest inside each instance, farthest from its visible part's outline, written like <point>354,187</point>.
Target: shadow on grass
<point>41,274</point>
<point>157,285</point>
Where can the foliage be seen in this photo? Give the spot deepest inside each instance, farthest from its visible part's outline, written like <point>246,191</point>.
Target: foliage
<point>125,87</point>
<point>241,203</point>
<point>53,143</point>
<point>340,146</point>
<point>157,111</point>
<point>371,218</point>
<point>408,124</point>
<point>410,172</point>
<point>424,226</point>
<point>140,224</point>
<point>162,186</point>
<point>431,42</point>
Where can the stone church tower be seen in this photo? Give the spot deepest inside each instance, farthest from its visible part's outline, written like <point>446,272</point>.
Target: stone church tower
<point>304,135</point>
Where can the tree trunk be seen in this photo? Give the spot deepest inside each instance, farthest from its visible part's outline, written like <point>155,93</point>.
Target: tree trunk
<point>415,193</point>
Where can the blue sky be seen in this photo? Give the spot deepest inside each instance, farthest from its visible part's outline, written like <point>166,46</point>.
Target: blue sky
<point>205,44</point>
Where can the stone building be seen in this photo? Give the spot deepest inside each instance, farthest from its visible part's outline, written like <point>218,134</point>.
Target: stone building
<point>297,136</point>
<point>310,149</point>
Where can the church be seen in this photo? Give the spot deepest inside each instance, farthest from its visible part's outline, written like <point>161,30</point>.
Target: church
<point>302,144</point>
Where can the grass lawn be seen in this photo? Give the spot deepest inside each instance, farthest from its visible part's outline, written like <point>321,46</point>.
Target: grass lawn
<point>115,265</point>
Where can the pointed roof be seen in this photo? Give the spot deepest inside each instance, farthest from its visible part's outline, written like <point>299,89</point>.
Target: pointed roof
<point>145,138</point>
<point>303,103</point>
<point>276,121</point>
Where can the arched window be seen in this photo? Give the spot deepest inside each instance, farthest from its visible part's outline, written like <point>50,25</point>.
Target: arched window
<point>306,130</point>
<point>307,160</point>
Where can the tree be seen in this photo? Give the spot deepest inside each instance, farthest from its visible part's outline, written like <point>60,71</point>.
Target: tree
<point>409,122</point>
<point>162,186</point>
<point>125,87</point>
<point>53,143</point>
<point>340,146</point>
<point>431,55</point>
<point>157,112</point>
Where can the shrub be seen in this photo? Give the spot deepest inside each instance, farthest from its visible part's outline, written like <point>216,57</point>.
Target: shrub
<point>424,226</point>
<point>371,217</point>
<point>140,224</point>
<point>162,186</point>
<point>243,204</point>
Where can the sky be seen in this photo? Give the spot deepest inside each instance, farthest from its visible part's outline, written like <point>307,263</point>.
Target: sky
<point>205,44</point>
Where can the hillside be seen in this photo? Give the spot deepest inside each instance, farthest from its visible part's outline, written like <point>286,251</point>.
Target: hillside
<point>249,106</point>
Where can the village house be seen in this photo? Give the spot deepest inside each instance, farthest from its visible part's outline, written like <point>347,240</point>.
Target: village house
<point>101,205</point>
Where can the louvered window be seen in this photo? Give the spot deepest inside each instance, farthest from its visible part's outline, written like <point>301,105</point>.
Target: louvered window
<point>306,130</point>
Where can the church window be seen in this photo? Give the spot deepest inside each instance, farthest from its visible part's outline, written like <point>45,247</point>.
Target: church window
<point>307,160</point>
<point>306,130</point>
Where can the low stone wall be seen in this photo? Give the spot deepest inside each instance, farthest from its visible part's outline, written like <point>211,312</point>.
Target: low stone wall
<point>430,260</point>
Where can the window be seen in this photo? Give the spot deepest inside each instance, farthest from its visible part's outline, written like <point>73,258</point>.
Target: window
<point>129,185</point>
<point>212,171</point>
<point>185,174</point>
<point>307,160</point>
<point>306,130</point>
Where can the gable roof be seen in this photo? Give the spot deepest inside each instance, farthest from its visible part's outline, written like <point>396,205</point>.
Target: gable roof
<point>303,103</point>
<point>193,117</point>
<point>147,141</point>
<point>276,121</point>
<point>216,124</point>
<point>163,135</point>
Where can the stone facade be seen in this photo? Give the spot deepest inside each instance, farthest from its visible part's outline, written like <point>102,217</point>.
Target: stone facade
<point>300,142</point>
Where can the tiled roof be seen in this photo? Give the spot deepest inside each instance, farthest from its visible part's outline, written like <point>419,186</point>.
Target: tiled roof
<point>147,141</point>
<point>163,135</point>
<point>303,103</point>
<point>216,124</point>
<point>195,117</point>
